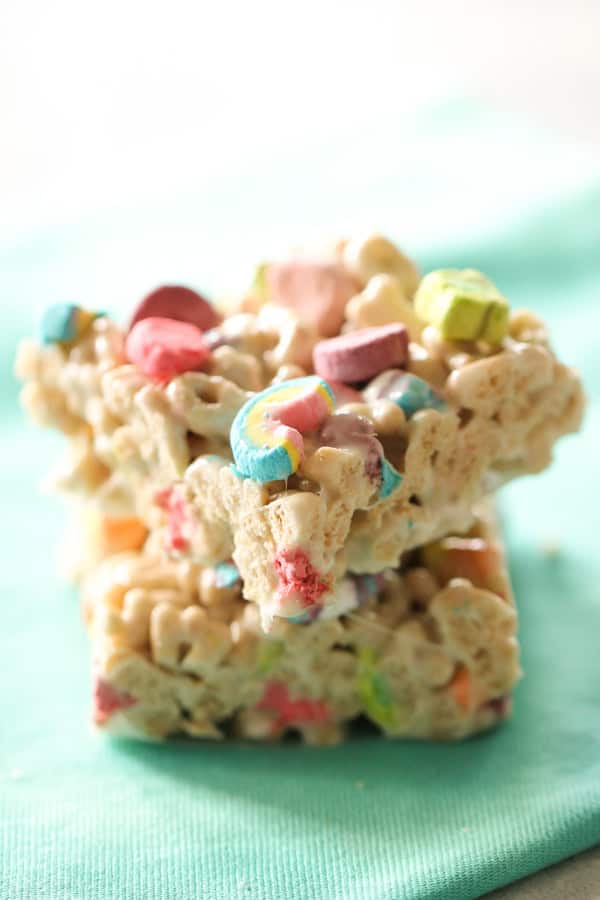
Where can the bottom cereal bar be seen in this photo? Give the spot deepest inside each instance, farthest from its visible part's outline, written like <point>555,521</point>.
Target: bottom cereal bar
<point>425,651</point>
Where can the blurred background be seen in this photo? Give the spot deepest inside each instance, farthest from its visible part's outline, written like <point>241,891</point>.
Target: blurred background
<point>146,141</point>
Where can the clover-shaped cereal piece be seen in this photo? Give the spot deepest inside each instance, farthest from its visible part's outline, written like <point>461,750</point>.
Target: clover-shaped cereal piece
<point>207,403</point>
<point>243,369</point>
<point>187,639</point>
<point>383,300</point>
<point>291,339</point>
<point>375,254</point>
<point>471,623</point>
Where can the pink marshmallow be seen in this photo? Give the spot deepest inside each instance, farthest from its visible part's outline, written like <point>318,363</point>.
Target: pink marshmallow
<point>289,712</point>
<point>316,291</point>
<point>108,700</point>
<point>163,348</point>
<point>360,355</point>
<point>298,577</point>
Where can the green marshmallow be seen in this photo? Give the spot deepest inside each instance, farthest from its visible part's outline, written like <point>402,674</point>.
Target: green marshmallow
<point>269,654</point>
<point>374,692</point>
<point>463,305</point>
<point>259,287</point>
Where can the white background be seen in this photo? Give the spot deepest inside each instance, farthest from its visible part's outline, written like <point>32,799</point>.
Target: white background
<point>105,104</point>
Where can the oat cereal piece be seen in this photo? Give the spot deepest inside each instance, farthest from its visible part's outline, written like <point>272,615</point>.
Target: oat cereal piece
<point>381,302</point>
<point>177,650</point>
<point>243,369</point>
<point>288,339</point>
<point>207,403</point>
<point>367,257</point>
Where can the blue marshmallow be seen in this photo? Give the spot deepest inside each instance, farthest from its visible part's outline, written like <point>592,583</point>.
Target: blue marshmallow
<point>59,323</point>
<point>406,390</point>
<point>226,575</point>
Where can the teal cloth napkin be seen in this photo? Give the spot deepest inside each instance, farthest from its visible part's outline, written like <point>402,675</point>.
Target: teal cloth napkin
<point>84,817</point>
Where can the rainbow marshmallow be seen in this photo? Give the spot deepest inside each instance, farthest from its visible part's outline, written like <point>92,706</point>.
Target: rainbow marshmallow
<point>266,435</point>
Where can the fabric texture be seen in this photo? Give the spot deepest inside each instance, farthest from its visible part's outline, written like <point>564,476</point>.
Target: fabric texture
<point>85,817</point>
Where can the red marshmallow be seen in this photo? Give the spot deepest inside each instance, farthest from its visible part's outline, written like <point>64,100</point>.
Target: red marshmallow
<point>163,348</point>
<point>173,301</point>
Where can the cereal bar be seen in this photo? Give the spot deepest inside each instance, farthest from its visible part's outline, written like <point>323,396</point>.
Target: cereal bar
<point>425,651</point>
<point>347,413</point>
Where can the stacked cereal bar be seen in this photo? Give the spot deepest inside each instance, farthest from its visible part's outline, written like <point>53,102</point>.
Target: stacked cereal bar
<point>346,414</point>
<point>428,650</point>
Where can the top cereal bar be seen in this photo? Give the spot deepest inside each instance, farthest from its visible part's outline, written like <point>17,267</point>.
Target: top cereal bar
<point>347,412</point>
